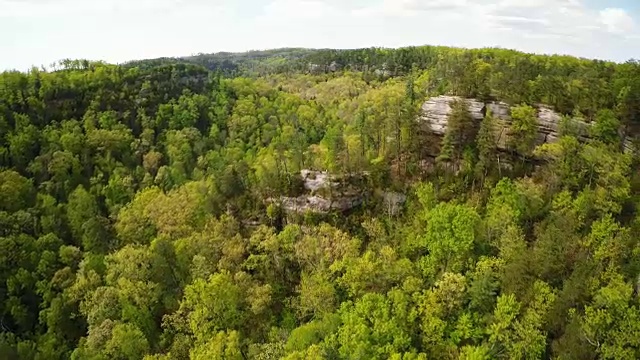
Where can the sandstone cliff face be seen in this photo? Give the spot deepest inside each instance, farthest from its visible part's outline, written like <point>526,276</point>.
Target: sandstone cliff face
<point>323,194</point>
<point>319,205</point>
<point>436,110</point>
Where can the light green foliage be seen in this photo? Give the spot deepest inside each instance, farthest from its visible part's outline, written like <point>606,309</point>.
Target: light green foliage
<point>475,353</point>
<point>556,242</point>
<point>607,175</point>
<point>611,323</point>
<point>118,192</point>
<point>512,247</point>
<point>376,272</point>
<point>176,214</point>
<point>202,254</point>
<point>606,242</point>
<point>449,237</point>
<point>606,127</point>
<point>82,208</point>
<point>566,167</point>
<point>427,196</point>
<point>312,333</point>
<point>134,225</point>
<point>524,129</point>
<point>222,346</point>
<point>376,326</point>
<point>484,284</point>
<point>314,352</point>
<point>325,246</point>
<point>126,342</point>
<point>51,215</point>
<point>112,340</point>
<point>512,203</point>
<point>212,305</point>
<point>505,205</point>
<point>520,332</point>
<point>317,295</point>
<point>23,142</point>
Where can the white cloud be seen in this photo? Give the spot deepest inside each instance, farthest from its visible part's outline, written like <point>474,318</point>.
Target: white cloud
<point>48,8</point>
<point>298,9</point>
<point>544,26</point>
<point>540,19</point>
<point>617,21</point>
<point>399,8</point>
<point>436,5</point>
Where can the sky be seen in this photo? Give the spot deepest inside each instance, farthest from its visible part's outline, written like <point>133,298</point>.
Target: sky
<point>40,32</point>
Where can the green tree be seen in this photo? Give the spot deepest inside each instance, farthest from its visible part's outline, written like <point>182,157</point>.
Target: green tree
<point>223,346</point>
<point>460,134</point>
<point>487,145</point>
<point>610,322</point>
<point>450,238</point>
<point>606,127</point>
<point>82,207</point>
<point>524,129</point>
<point>16,192</point>
<point>213,305</point>
<point>519,331</point>
<point>376,326</point>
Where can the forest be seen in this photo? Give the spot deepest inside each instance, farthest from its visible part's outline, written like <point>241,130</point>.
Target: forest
<point>291,204</point>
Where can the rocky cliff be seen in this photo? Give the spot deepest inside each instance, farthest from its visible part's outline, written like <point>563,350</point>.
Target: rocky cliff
<point>436,110</point>
<point>324,193</point>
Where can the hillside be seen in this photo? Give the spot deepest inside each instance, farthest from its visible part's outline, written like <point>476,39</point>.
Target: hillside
<point>415,203</point>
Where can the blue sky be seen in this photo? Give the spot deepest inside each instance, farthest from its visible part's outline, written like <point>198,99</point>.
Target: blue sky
<point>39,32</point>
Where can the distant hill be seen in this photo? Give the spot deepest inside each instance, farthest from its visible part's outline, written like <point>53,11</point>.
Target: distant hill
<point>258,61</point>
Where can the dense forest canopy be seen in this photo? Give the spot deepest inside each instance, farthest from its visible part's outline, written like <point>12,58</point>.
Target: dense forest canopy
<point>146,208</point>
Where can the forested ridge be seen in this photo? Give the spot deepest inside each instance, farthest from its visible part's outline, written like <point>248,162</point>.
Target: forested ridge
<point>145,208</point>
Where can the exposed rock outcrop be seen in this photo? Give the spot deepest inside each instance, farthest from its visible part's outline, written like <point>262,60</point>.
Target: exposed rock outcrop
<point>436,111</point>
<point>316,180</point>
<point>324,193</point>
<point>319,205</point>
<point>393,202</point>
